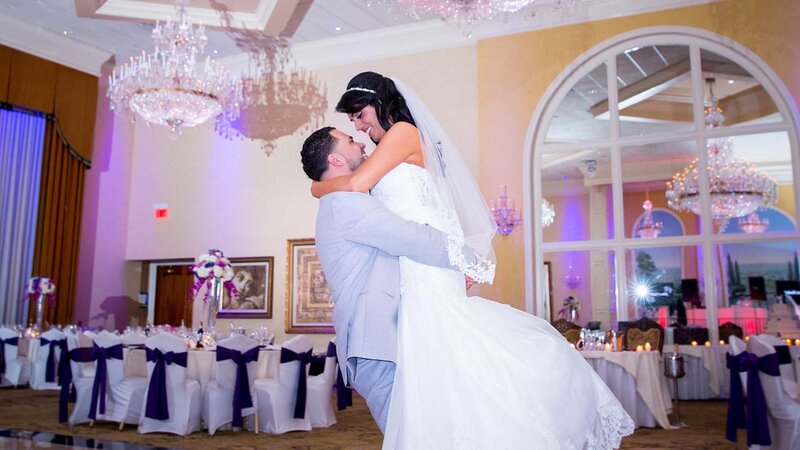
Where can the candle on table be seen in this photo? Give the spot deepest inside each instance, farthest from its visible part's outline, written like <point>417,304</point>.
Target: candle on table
<point>797,342</point>
<point>192,344</point>
<point>708,343</point>
<point>721,342</point>
<point>608,347</point>
<point>788,342</point>
<point>647,347</point>
<point>694,343</point>
<point>639,348</point>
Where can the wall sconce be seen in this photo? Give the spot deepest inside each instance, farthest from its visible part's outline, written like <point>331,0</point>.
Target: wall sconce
<point>506,216</point>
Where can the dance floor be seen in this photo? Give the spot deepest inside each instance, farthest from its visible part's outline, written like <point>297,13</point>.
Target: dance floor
<point>28,418</point>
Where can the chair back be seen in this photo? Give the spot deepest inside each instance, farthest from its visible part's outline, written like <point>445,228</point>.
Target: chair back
<point>53,334</point>
<point>774,387</point>
<point>287,373</point>
<point>166,342</point>
<point>114,367</point>
<point>10,351</point>
<point>642,331</point>
<point>329,372</point>
<point>729,329</point>
<point>78,340</point>
<point>226,370</point>
<point>133,338</point>
<point>738,346</point>
<point>784,356</point>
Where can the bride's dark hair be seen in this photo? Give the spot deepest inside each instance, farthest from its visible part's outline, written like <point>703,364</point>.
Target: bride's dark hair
<point>389,104</point>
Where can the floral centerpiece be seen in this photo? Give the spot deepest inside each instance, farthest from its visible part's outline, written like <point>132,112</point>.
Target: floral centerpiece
<point>213,270</point>
<point>570,308</point>
<point>40,288</point>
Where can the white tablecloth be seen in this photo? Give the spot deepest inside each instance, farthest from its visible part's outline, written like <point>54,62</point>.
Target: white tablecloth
<point>201,364</point>
<point>637,381</point>
<point>705,373</point>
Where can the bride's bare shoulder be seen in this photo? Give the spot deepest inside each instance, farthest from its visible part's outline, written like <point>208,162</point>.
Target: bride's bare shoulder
<point>404,134</point>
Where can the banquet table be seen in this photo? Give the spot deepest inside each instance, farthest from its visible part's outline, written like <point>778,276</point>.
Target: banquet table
<point>201,363</point>
<point>637,381</point>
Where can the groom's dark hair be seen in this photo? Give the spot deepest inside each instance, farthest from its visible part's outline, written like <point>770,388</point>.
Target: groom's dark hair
<point>315,152</point>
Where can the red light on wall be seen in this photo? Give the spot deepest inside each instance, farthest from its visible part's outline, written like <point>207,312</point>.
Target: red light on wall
<point>161,213</point>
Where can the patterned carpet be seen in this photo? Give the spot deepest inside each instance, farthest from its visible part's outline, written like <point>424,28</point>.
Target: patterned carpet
<point>26,409</point>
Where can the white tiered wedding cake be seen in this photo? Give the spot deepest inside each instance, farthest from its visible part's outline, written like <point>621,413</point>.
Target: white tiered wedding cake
<point>782,322</point>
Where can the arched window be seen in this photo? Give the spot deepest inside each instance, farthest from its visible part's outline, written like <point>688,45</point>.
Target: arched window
<point>691,121</point>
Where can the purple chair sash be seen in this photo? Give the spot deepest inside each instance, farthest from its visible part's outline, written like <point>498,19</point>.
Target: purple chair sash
<point>344,395</point>
<point>784,356</point>
<point>102,354</point>
<point>304,358</point>
<point>157,407</point>
<point>67,393</point>
<point>10,341</point>
<point>241,389</point>
<point>50,369</point>
<point>755,419</point>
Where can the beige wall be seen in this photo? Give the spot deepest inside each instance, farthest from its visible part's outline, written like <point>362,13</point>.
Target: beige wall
<point>229,195</point>
<point>515,71</point>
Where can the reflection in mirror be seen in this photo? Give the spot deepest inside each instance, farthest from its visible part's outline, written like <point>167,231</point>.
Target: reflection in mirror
<point>585,279</point>
<point>654,89</point>
<point>665,284</point>
<point>578,185</point>
<point>755,277</point>
<point>573,120</point>
<point>646,169</point>
<point>742,99</point>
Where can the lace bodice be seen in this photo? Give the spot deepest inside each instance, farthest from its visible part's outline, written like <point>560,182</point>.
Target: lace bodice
<point>408,191</point>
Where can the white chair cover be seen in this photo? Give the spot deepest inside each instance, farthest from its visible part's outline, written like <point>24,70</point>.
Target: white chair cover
<point>739,346</point>
<point>82,379</point>
<point>39,364</point>
<point>17,368</point>
<point>184,396</point>
<point>218,405</point>
<point>277,398</point>
<point>133,338</point>
<point>784,411</point>
<point>787,369</point>
<point>320,395</point>
<point>124,395</point>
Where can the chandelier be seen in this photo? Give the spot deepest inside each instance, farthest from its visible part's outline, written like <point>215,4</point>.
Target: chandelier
<point>548,213</point>
<point>736,187</point>
<point>171,86</point>
<point>648,228</point>
<point>465,13</point>
<point>505,215</point>
<point>753,224</point>
<point>277,101</point>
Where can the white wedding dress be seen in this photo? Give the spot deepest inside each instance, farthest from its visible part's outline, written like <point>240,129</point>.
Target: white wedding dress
<point>476,374</point>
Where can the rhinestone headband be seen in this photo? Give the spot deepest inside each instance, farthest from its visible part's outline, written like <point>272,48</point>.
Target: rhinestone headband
<point>361,89</point>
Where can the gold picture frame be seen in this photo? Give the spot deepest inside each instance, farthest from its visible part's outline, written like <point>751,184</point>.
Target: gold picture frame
<point>309,305</point>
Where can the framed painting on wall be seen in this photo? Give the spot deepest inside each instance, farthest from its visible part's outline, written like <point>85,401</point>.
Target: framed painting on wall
<point>253,279</point>
<point>309,305</point>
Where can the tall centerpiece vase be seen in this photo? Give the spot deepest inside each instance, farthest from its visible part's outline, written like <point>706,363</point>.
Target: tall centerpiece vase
<point>214,302</point>
<point>573,314</point>
<point>39,312</point>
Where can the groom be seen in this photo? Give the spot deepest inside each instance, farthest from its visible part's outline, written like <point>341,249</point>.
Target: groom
<point>359,242</point>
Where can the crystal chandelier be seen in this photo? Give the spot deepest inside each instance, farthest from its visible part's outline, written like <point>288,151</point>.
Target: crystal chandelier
<point>753,224</point>
<point>548,213</point>
<point>648,227</point>
<point>737,188</point>
<point>171,86</point>
<point>465,13</point>
<point>277,101</point>
<point>505,215</point>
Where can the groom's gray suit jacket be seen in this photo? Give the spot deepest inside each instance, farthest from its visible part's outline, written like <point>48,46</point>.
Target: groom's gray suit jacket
<point>358,241</point>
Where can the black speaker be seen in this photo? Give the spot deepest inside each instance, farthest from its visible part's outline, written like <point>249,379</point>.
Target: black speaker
<point>757,290</point>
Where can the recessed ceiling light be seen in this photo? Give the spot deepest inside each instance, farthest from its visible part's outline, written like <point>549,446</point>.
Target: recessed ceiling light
<point>67,32</point>
<point>215,52</point>
<point>337,28</point>
<point>730,81</point>
<point>592,91</point>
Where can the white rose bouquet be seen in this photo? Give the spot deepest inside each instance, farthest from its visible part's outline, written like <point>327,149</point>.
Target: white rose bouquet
<point>210,266</point>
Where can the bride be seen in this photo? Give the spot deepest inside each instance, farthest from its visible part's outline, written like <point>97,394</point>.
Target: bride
<point>471,373</point>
